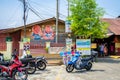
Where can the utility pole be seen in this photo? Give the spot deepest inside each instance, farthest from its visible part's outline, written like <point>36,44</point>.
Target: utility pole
<point>24,16</point>
<point>68,21</point>
<point>68,8</point>
<point>57,17</point>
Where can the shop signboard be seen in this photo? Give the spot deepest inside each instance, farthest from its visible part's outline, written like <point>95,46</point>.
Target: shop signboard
<point>117,45</point>
<point>26,45</point>
<point>93,45</point>
<point>26,40</point>
<point>67,26</point>
<point>83,46</point>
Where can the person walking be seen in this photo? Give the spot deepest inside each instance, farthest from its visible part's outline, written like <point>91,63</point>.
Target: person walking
<point>102,50</point>
<point>105,50</point>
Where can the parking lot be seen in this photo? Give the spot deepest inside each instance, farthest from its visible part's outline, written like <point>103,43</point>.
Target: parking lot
<point>104,69</point>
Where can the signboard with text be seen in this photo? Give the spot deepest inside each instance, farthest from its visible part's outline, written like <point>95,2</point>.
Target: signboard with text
<point>67,26</point>
<point>83,46</point>
<point>68,44</point>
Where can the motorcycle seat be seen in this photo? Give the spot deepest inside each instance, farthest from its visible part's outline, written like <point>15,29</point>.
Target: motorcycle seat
<point>40,57</point>
<point>86,59</point>
<point>27,59</point>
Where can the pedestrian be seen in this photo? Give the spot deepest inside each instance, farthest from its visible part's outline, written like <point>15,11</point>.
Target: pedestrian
<point>72,51</point>
<point>105,49</point>
<point>102,50</point>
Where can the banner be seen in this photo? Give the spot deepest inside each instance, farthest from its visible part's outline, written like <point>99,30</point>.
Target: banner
<point>26,40</point>
<point>68,44</point>
<point>67,26</point>
<point>94,45</point>
<point>83,46</point>
<point>26,45</point>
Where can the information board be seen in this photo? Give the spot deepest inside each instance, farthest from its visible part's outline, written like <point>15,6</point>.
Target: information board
<point>83,46</point>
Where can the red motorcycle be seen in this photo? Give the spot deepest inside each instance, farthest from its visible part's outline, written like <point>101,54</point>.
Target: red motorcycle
<point>13,69</point>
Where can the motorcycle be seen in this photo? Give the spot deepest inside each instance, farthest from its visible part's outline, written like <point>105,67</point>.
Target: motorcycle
<point>29,64</point>
<point>12,69</point>
<point>41,63</point>
<point>37,62</point>
<point>79,63</point>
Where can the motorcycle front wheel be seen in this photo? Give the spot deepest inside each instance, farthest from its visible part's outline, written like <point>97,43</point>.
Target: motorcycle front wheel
<point>19,75</point>
<point>69,68</point>
<point>31,68</point>
<point>41,65</point>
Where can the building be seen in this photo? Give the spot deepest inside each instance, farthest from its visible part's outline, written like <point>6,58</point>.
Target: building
<point>37,44</point>
<point>113,40</point>
<point>16,35</point>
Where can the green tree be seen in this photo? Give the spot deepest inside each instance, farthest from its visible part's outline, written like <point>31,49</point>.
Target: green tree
<point>85,16</point>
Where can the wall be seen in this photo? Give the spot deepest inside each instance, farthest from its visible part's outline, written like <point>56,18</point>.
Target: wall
<point>56,50</point>
<point>61,28</point>
<point>117,45</point>
<point>3,41</point>
<point>8,52</point>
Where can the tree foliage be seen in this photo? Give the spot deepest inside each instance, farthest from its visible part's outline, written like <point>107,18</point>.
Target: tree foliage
<point>85,18</point>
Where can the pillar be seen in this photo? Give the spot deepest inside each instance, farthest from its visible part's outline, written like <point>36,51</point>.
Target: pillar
<point>8,53</point>
<point>21,44</point>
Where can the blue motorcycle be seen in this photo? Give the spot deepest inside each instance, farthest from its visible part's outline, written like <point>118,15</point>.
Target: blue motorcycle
<point>79,63</point>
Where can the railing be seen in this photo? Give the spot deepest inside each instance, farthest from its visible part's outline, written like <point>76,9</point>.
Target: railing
<point>57,44</point>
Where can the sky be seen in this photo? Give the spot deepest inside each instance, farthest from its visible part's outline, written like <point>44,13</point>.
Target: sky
<point>11,11</point>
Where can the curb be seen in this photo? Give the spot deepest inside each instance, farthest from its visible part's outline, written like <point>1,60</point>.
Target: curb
<point>115,57</point>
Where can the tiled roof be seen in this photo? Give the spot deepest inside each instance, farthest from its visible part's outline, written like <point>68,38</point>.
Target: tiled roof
<point>114,25</point>
<point>6,30</point>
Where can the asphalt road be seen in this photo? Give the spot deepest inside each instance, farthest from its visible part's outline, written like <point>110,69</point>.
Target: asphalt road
<point>104,69</point>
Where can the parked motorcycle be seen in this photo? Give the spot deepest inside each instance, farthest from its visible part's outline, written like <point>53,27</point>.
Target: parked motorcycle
<point>29,64</point>
<point>79,63</point>
<point>41,63</point>
<point>37,62</point>
<point>12,69</point>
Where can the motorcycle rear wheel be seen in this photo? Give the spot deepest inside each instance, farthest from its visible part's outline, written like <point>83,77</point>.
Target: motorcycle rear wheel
<point>41,65</point>
<point>19,75</point>
<point>69,68</point>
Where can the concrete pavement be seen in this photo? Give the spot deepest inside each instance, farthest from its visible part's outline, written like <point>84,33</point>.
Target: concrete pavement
<point>104,69</point>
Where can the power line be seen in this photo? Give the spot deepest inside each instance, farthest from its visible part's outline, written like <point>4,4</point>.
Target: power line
<point>42,5</point>
<point>34,11</point>
<point>110,15</point>
<point>48,9</point>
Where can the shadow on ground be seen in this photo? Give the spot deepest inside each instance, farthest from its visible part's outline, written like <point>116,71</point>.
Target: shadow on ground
<point>6,78</point>
<point>41,71</point>
<point>84,71</point>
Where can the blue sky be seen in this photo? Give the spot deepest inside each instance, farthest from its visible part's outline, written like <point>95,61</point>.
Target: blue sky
<point>11,11</point>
